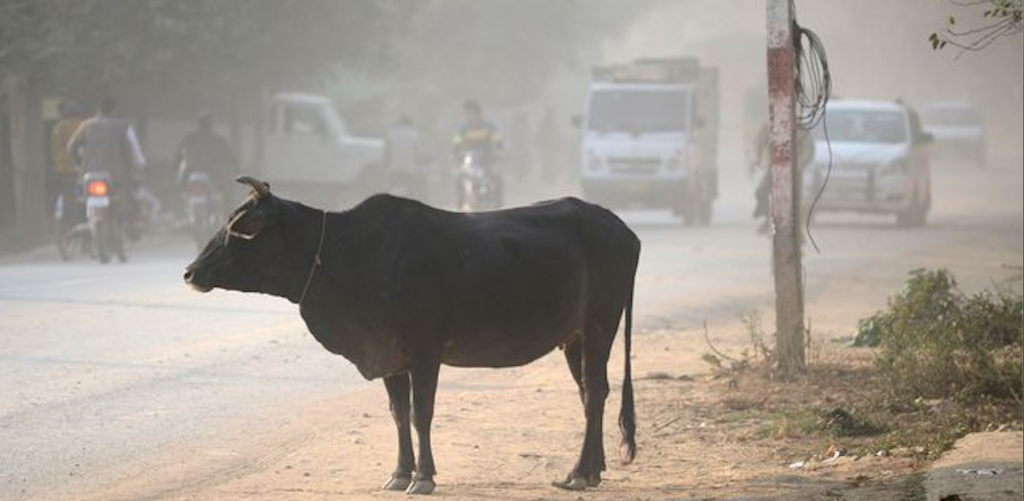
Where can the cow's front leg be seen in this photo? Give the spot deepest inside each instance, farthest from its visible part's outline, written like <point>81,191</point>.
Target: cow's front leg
<point>398,396</point>
<point>424,386</point>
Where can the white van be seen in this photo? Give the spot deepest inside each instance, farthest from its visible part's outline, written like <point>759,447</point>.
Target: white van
<point>651,137</point>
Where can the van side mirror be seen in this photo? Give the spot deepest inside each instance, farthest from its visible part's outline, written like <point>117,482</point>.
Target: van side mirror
<point>925,137</point>
<point>576,121</point>
<point>699,123</point>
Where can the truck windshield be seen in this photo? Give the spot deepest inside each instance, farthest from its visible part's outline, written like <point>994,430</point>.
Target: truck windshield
<point>638,111</point>
<point>864,126</point>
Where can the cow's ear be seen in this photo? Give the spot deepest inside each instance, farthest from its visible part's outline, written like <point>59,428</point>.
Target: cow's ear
<point>247,224</point>
<point>260,189</point>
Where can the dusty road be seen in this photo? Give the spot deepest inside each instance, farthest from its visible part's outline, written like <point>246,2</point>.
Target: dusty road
<point>119,383</point>
<point>102,366</point>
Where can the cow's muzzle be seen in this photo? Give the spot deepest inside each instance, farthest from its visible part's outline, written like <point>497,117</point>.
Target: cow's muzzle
<point>190,280</point>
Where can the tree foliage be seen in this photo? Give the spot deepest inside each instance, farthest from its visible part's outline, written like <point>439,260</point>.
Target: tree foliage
<point>1000,18</point>
<point>92,43</point>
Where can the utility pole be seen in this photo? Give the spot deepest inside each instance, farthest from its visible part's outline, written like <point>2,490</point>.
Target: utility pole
<point>785,197</point>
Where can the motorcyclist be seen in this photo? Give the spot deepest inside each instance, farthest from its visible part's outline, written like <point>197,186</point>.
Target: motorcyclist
<point>64,176</point>
<point>805,149</point>
<point>203,150</point>
<point>480,137</point>
<point>102,143</point>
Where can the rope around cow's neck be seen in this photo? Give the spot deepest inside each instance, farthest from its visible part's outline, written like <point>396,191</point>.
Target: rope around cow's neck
<point>316,258</point>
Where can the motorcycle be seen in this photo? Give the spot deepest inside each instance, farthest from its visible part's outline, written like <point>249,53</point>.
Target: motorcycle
<point>478,188</point>
<point>203,207</point>
<point>105,226</point>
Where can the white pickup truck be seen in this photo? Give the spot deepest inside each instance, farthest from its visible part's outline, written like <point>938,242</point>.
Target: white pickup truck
<point>303,147</point>
<point>309,149</point>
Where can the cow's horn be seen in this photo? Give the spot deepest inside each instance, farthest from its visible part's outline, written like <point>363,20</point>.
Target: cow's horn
<point>260,188</point>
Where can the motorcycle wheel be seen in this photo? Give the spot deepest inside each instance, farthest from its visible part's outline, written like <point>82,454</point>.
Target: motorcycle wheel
<point>468,197</point>
<point>64,244</point>
<point>119,241</point>
<point>497,195</point>
<point>199,229</point>
<point>101,240</point>
<point>199,236</point>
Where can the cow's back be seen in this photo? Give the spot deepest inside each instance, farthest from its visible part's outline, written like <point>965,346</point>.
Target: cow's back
<point>547,267</point>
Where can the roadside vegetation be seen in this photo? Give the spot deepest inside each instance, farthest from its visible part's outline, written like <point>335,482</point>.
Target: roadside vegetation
<point>934,365</point>
<point>937,342</point>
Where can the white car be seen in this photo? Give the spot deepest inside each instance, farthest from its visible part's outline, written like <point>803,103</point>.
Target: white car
<point>959,130</point>
<point>880,161</point>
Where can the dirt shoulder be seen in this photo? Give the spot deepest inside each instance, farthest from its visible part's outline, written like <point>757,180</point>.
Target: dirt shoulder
<point>507,434</point>
<point>982,466</point>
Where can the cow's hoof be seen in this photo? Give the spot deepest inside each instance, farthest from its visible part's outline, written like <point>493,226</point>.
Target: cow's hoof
<point>422,487</point>
<point>572,484</point>
<point>397,483</point>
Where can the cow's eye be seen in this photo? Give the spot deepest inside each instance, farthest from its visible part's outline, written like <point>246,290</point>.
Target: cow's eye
<point>235,239</point>
<point>240,235</point>
<point>247,224</point>
<point>236,227</point>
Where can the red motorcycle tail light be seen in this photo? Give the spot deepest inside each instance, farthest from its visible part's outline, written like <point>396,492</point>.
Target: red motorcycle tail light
<point>196,189</point>
<point>97,189</point>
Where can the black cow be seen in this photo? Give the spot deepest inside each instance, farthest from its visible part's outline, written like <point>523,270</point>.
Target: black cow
<point>399,288</point>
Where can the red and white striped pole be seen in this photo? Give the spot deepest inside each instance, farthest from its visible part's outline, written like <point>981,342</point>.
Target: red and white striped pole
<point>785,195</point>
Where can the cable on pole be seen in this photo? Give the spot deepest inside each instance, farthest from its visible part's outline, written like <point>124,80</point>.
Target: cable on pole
<point>812,91</point>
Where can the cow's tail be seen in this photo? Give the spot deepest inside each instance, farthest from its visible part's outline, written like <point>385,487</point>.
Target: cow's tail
<point>627,414</point>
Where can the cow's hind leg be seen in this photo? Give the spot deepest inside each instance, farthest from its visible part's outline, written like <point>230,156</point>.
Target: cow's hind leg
<point>574,359</point>
<point>398,396</point>
<point>424,387</point>
<point>594,361</point>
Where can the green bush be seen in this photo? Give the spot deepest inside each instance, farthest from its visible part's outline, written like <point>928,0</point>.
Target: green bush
<point>936,342</point>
